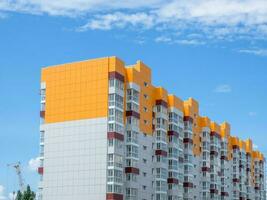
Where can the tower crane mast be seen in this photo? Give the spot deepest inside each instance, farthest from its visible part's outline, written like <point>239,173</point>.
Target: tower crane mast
<point>17,168</point>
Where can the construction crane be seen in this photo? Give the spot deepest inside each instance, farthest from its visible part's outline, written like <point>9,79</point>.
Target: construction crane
<point>17,167</point>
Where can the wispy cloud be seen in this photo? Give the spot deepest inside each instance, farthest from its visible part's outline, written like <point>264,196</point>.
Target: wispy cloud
<point>119,20</point>
<point>2,193</point>
<point>169,40</point>
<point>208,19</point>
<point>190,42</point>
<point>163,39</point>
<point>224,88</point>
<point>34,163</point>
<point>255,51</point>
<point>252,114</point>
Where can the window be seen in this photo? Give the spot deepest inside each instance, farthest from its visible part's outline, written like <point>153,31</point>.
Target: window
<point>131,194</point>
<point>115,143</point>
<point>115,100</point>
<point>41,136</point>
<point>145,96</point>
<point>131,151</point>
<point>145,84</point>
<point>114,176</point>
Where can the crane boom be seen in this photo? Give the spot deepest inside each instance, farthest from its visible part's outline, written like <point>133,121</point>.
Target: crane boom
<point>19,174</point>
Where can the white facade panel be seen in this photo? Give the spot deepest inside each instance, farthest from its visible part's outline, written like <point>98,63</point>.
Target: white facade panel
<point>75,160</point>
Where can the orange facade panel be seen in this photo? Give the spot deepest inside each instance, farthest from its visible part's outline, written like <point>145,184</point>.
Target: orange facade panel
<point>203,122</point>
<point>175,102</point>
<point>76,91</point>
<point>225,130</point>
<point>140,74</point>
<point>116,65</point>
<point>161,94</point>
<point>214,127</point>
<point>249,146</point>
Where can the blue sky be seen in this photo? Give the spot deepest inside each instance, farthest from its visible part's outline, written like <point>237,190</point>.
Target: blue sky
<point>218,56</point>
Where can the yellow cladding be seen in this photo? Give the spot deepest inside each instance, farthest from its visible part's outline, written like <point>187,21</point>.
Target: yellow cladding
<point>203,122</point>
<point>140,74</point>
<point>215,127</point>
<point>161,94</point>
<point>249,146</point>
<point>234,141</point>
<point>76,90</point>
<point>191,110</point>
<point>115,64</point>
<point>225,130</point>
<point>242,145</point>
<point>175,102</point>
<point>256,155</point>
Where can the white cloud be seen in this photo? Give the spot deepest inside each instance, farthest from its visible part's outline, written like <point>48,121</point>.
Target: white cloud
<point>73,7</point>
<point>2,193</point>
<point>163,39</point>
<point>34,163</point>
<point>255,146</point>
<point>255,51</point>
<point>119,20</point>
<point>211,19</point>
<point>223,88</point>
<point>252,114</point>
<point>169,40</point>
<point>12,196</point>
<point>190,42</point>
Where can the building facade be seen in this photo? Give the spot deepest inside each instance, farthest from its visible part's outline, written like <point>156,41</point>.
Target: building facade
<point>108,134</point>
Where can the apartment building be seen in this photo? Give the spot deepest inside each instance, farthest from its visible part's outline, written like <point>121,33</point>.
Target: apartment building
<point>107,133</point>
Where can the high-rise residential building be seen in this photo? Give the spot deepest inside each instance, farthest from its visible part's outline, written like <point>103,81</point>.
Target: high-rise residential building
<point>107,133</point>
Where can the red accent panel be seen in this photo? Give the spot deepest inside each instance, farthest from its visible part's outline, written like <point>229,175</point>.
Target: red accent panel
<point>132,113</point>
<point>214,153</point>
<point>236,180</point>
<point>188,140</point>
<point>40,170</point>
<point>170,133</point>
<point>188,118</point>
<point>188,185</point>
<point>235,147</point>
<point>173,180</point>
<point>205,169</point>
<point>224,194</point>
<point>113,196</point>
<point>115,135</point>
<point>162,102</point>
<point>224,158</point>
<point>116,75</point>
<point>42,114</point>
<point>161,153</point>
<point>213,133</point>
<point>214,191</point>
<point>131,170</point>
